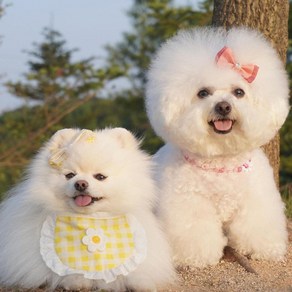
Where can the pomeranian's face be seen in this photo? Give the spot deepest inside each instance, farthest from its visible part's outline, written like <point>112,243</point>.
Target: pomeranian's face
<point>86,184</point>
<point>103,171</point>
<point>211,110</point>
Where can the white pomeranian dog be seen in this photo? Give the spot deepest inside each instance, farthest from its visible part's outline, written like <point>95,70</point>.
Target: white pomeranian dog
<point>83,218</point>
<point>215,97</point>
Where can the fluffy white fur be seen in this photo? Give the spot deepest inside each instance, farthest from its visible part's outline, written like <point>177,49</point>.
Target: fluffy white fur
<point>204,210</point>
<point>128,188</point>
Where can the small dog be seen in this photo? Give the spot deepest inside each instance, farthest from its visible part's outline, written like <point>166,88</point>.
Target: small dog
<point>83,217</point>
<point>215,97</point>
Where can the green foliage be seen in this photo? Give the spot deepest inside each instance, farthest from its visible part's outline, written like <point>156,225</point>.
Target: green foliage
<point>286,131</point>
<point>286,192</point>
<point>286,152</point>
<point>153,22</point>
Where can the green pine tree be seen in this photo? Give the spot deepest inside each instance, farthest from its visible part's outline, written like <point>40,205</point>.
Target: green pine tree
<point>58,86</point>
<point>53,76</point>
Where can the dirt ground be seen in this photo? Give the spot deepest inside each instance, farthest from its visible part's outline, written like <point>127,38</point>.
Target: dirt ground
<point>230,276</point>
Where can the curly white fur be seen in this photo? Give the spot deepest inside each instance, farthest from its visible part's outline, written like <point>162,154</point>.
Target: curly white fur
<point>127,189</point>
<point>206,202</point>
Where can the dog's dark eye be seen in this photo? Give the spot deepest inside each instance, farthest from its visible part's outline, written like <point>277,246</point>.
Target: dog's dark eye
<point>238,92</point>
<point>70,175</point>
<point>100,176</point>
<point>203,93</point>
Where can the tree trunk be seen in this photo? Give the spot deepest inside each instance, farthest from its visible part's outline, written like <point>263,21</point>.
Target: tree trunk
<point>269,17</point>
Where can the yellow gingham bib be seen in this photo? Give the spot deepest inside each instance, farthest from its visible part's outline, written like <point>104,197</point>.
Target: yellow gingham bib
<point>98,248</point>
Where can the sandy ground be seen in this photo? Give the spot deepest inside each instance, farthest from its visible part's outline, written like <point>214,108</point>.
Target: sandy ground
<point>229,276</point>
<point>232,277</point>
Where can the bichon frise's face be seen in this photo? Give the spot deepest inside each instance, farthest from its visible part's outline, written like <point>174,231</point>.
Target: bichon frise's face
<point>208,108</point>
<point>88,172</point>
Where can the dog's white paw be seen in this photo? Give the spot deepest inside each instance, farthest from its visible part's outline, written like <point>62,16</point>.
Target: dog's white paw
<point>200,253</point>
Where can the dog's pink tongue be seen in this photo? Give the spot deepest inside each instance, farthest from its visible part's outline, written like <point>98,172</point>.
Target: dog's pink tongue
<point>83,200</point>
<point>223,125</point>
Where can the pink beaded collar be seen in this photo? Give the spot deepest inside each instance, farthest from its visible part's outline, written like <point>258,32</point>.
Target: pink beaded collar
<point>209,166</point>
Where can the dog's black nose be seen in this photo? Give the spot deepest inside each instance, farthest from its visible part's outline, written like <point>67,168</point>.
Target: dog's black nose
<point>81,185</point>
<point>223,108</point>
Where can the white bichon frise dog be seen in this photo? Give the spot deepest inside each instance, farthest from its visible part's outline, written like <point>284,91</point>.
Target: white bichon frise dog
<point>215,97</point>
<point>83,217</point>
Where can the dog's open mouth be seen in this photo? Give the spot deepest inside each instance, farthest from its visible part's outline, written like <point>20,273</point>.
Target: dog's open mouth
<point>85,200</point>
<point>222,126</point>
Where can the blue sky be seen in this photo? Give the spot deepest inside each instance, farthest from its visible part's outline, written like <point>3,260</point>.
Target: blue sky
<point>87,25</point>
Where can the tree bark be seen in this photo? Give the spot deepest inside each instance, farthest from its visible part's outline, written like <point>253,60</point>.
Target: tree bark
<point>269,17</point>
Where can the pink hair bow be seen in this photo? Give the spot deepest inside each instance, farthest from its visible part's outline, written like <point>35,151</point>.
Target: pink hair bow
<point>225,58</point>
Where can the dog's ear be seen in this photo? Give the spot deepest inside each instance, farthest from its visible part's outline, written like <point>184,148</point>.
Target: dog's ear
<point>62,138</point>
<point>57,146</point>
<point>125,138</point>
